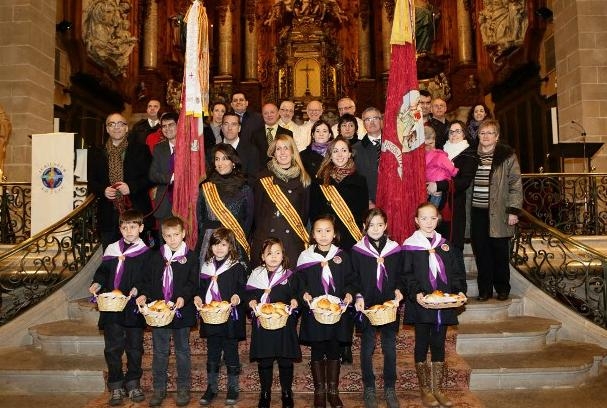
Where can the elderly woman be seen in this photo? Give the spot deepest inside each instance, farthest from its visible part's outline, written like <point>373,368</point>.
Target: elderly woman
<point>497,196</point>
<point>225,200</point>
<point>316,151</point>
<point>477,114</point>
<point>281,201</point>
<point>464,159</point>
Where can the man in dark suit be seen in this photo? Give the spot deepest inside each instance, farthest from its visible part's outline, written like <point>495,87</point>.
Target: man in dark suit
<point>262,138</point>
<point>247,152</point>
<point>439,122</point>
<point>249,120</point>
<point>366,153</point>
<point>118,176</point>
<point>163,167</point>
<point>146,126</point>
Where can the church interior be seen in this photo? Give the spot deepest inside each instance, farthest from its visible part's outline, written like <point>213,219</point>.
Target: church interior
<point>83,59</point>
<point>539,65</point>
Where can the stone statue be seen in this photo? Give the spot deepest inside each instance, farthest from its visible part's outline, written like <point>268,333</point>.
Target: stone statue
<point>426,17</point>
<point>5,133</point>
<point>173,96</point>
<point>503,24</point>
<point>107,34</point>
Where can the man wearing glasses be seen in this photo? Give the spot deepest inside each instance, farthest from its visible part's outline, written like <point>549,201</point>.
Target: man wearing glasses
<point>366,153</point>
<point>163,167</point>
<point>118,175</point>
<point>347,105</point>
<point>286,113</point>
<point>303,136</point>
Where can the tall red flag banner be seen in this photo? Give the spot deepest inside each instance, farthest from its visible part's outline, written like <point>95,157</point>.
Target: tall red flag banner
<point>189,147</point>
<point>401,176</point>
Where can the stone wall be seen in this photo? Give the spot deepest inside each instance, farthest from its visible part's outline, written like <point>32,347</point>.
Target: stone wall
<point>580,29</point>
<point>27,57</point>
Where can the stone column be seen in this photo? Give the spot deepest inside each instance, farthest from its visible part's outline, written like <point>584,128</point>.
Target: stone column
<point>225,39</point>
<point>464,33</point>
<point>364,42</point>
<point>581,48</point>
<point>386,31</point>
<point>27,63</point>
<point>150,35</point>
<point>251,46</point>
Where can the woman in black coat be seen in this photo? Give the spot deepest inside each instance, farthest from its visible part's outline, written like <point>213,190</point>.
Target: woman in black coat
<point>284,177</point>
<point>338,171</point>
<point>316,151</point>
<point>465,159</point>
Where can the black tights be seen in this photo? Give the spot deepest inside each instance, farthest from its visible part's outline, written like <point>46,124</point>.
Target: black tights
<point>327,348</point>
<point>430,336</point>
<point>285,373</point>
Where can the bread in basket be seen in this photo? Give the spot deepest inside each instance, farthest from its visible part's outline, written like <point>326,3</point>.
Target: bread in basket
<point>113,301</point>
<point>327,309</point>
<point>272,316</point>
<point>158,313</point>
<point>215,312</point>
<point>382,314</point>
<point>440,300</point>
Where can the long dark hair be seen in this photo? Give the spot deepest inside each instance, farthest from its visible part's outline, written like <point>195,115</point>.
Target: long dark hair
<point>236,179</point>
<point>269,242</point>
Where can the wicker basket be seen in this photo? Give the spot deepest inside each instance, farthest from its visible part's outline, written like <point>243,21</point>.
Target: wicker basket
<point>325,316</point>
<point>217,315</point>
<point>454,302</point>
<point>381,316</point>
<point>156,319</point>
<point>272,321</point>
<point>111,302</point>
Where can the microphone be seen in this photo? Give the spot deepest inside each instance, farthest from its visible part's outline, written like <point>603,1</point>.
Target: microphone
<point>580,126</point>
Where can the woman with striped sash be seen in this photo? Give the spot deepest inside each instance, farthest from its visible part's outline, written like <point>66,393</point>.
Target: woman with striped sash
<point>225,200</point>
<point>281,200</point>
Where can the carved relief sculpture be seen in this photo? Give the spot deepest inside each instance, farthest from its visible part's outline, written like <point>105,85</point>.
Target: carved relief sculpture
<point>503,24</point>
<point>107,35</point>
<point>5,133</point>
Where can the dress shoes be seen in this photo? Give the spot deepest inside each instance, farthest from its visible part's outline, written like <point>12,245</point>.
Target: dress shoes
<point>502,296</point>
<point>482,298</point>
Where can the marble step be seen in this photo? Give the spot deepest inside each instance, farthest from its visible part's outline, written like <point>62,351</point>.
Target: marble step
<point>350,375</point>
<point>83,310</point>
<point>76,337</point>
<point>515,334</point>
<point>492,310</point>
<point>563,364</point>
<point>68,338</point>
<point>30,370</point>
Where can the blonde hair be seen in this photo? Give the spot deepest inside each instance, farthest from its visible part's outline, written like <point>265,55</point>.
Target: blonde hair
<point>295,159</point>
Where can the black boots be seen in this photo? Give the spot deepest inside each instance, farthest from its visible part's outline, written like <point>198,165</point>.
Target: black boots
<point>333,367</point>
<point>319,379</point>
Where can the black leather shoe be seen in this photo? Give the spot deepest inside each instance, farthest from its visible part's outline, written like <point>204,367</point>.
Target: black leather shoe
<point>502,296</point>
<point>482,298</point>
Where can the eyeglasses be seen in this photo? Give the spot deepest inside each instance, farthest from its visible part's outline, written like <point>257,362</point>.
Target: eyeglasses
<point>371,119</point>
<point>487,133</point>
<point>169,125</point>
<point>456,132</point>
<point>113,125</point>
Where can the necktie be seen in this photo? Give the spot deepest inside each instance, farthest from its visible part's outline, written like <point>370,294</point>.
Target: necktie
<point>269,135</point>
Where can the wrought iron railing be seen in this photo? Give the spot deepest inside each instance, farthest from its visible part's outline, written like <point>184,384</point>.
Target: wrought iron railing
<point>573,203</point>
<point>569,271</point>
<point>15,212</point>
<point>35,268</point>
<point>15,209</point>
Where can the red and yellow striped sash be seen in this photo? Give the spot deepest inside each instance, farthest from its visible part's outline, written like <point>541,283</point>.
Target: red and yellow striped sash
<point>286,208</point>
<point>341,209</point>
